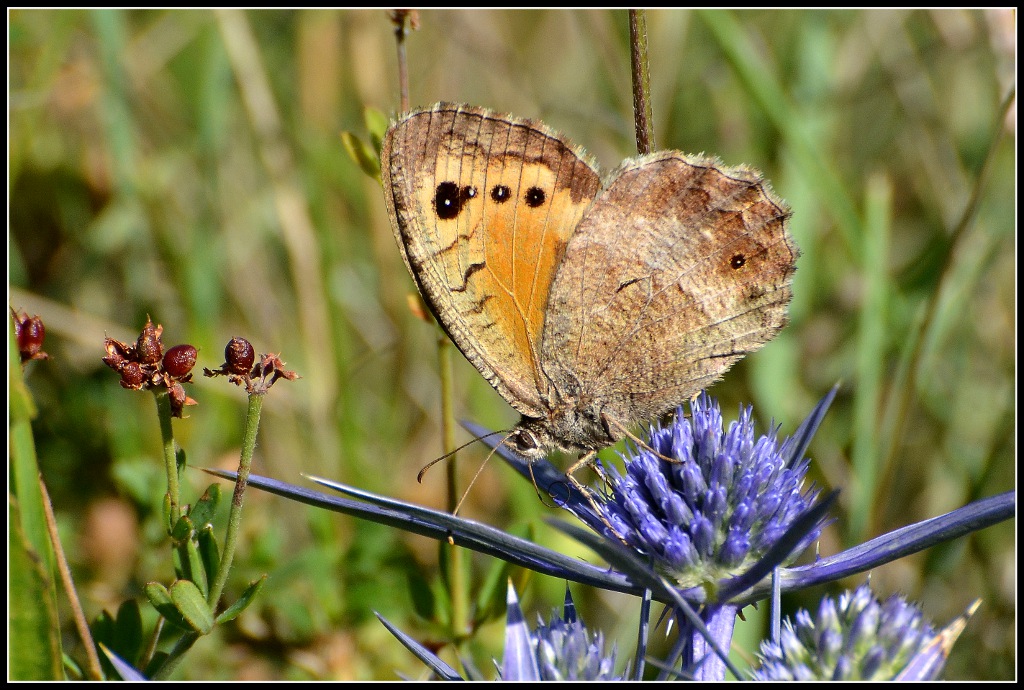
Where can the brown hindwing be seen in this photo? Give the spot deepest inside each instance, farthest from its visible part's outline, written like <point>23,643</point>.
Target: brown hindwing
<point>678,269</point>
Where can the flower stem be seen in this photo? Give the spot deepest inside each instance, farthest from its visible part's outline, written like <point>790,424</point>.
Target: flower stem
<point>642,110</point>
<point>401,23</point>
<point>163,413</point>
<point>721,620</point>
<point>252,425</point>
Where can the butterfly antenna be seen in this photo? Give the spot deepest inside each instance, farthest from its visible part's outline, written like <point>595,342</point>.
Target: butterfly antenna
<point>480,468</point>
<point>419,477</point>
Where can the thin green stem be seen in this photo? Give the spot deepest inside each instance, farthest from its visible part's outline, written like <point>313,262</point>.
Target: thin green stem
<point>871,342</point>
<point>252,425</point>
<point>163,413</point>
<point>643,114</point>
<point>94,668</point>
<point>444,362</point>
<point>459,587</point>
<point>151,643</point>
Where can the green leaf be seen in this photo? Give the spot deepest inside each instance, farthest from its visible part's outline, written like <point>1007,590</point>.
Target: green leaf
<point>194,567</point>
<point>179,564</point>
<point>182,530</point>
<point>127,638</point>
<point>121,635</point>
<point>22,406</point>
<point>206,507</point>
<point>102,628</point>
<point>442,603</point>
<point>161,600</point>
<point>167,513</point>
<point>72,670</point>
<point>423,602</point>
<point>33,630</point>
<point>376,124</point>
<point>209,551</point>
<point>490,599</point>
<point>33,635</point>
<point>243,601</point>
<point>192,605</point>
<point>360,152</point>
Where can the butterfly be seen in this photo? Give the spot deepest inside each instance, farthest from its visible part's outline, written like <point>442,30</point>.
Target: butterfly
<point>590,307</point>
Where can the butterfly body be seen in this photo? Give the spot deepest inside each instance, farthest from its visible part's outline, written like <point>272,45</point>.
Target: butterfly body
<point>588,307</point>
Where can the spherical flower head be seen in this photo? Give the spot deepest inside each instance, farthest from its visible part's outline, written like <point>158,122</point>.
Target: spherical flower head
<point>566,650</point>
<point>722,502</point>
<point>854,638</point>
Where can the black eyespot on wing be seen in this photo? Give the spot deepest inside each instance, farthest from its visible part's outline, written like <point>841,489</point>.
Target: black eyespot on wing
<point>737,261</point>
<point>447,200</point>
<point>535,197</point>
<point>500,193</point>
<point>467,193</point>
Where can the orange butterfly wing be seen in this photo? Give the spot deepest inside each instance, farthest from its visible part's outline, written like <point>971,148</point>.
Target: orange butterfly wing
<point>482,206</point>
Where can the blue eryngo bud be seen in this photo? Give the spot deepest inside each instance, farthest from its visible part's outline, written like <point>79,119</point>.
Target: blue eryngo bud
<point>725,498</point>
<point>566,650</point>
<point>857,637</point>
<point>562,649</point>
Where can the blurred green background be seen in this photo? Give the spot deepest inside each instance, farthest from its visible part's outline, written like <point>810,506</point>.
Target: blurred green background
<point>188,165</point>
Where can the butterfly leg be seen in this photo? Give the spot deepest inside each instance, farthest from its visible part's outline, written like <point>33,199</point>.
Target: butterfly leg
<point>595,464</point>
<point>640,443</point>
<point>590,458</point>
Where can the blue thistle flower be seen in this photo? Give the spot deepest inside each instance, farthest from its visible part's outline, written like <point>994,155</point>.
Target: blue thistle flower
<point>711,514</point>
<point>856,638</point>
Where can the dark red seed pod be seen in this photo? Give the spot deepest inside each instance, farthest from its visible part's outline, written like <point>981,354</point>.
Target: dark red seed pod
<point>33,332</point>
<point>132,375</point>
<point>239,356</point>
<point>149,346</point>
<point>30,333</point>
<point>118,350</point>
<point>179,360</point>
<point>117,353</point>
<point>178,397</point>
<point>114,362</point>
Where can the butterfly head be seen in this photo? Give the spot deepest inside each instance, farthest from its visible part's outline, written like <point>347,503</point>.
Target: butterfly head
<point>531,438</point>
<point>567,428</point>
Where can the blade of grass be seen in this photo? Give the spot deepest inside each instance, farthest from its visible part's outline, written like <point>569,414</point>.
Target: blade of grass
<point>871,349</point>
